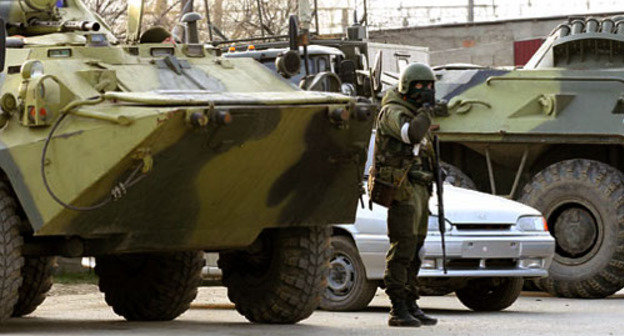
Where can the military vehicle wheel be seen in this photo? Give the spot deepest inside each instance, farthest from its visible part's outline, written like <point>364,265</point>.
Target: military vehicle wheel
<point>150,287</point>
<point>490,294</point>
<point>10,254</point>
<point>37,281</point>
<point>457,178</point>
<point>281,277</point>
<point>348,289</point>
<point>583,202</point>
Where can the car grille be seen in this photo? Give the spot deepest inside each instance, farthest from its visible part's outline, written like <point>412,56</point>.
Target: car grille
<point>480,227</point>
<point>460,264</point>
<point>463,263</point>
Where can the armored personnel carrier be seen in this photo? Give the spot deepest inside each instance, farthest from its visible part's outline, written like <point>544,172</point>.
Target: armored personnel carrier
<point>142,153</point>
<point>551,136</point>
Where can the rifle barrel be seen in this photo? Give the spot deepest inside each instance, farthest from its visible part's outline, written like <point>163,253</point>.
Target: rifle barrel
<point>440,195</point>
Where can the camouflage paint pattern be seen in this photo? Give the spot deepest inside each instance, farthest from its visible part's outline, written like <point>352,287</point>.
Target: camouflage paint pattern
<point>286,158</point>
<point>570,92</point>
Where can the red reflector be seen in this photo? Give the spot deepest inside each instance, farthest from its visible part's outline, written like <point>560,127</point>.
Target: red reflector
<point>31,111</point>
<point>43,112</point>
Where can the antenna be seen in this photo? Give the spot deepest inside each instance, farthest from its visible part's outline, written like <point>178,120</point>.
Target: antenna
<point>316,17</point>
<point>208,21</point>
<point>136,8</point>
<point>260,17</point>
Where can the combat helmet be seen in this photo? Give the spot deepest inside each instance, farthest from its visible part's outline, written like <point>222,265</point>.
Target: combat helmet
<point>413,73</point>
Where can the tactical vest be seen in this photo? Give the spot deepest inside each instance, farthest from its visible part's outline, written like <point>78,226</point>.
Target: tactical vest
<point>399,156</point>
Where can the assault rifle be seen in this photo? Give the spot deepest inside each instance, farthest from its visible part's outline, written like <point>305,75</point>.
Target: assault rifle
<point>439,177</point>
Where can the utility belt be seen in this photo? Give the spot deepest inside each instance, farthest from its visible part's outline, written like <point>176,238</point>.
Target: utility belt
<point>411,163</point>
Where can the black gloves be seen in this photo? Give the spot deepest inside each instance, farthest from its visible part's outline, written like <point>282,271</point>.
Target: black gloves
<point>418,128</point>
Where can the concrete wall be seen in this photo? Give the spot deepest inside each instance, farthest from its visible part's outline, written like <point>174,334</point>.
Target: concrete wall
<point>483,43</point>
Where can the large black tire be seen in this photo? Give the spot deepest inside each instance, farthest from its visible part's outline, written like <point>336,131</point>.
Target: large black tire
<point>348,289</point>
<point>150,287</point>
<point>11,259</point>
<point>490,294</point>
<point>583,202</point>
<point>37,281</point>
<point>457,178</point>
<point>282,280</point>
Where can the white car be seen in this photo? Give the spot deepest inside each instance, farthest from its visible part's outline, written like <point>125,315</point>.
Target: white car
<point>492,245</point>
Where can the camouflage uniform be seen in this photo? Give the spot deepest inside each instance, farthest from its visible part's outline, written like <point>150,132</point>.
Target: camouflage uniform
<point>396,157</point>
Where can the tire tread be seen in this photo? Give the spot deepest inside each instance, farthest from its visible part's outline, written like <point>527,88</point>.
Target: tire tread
<point>610,182</point>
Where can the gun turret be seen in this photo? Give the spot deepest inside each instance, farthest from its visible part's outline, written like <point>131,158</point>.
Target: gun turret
<point>35,17</point>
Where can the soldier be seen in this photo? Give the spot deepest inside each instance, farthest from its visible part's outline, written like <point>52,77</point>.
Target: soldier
<point>404,156</point>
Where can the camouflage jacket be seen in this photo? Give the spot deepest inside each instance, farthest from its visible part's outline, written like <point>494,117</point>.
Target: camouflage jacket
<point>395,155</point>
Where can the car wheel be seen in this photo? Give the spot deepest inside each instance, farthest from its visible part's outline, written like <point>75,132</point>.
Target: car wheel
<point>150,286</point>
<point>348,289</point>
<point>281,277</point>
<point>583,202</point>
<point>490,294</point>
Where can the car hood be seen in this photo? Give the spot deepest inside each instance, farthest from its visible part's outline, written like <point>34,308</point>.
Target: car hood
<point>463,206</point>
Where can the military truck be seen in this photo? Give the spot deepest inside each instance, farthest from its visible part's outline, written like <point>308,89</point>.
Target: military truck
<point>550,135</point>
<point>143,153</point>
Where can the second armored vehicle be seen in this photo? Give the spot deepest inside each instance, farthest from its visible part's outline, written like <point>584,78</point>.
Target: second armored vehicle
<point>551,136</point>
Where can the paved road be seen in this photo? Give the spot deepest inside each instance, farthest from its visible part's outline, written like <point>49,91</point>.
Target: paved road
<point>81,310</point>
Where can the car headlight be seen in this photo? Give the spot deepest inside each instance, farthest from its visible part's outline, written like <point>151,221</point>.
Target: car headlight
<point>532,223</point>
<point>433,225</point>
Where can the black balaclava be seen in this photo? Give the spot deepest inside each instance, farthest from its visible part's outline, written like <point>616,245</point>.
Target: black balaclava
<point>421,97</point>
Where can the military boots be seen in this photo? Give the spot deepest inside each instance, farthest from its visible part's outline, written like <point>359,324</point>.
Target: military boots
<point>417,313</point>
<point>400,316</point>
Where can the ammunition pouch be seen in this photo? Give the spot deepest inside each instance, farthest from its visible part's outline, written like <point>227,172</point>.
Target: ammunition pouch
<point>381,192</point>
<point>384,185</point>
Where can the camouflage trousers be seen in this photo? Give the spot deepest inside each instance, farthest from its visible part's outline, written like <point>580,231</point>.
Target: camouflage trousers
<point>407,230</point>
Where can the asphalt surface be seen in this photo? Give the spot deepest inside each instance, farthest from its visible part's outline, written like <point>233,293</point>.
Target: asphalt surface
<point>81,310</point>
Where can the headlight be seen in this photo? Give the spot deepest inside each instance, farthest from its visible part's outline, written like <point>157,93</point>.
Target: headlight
<point>532,223</point>
<point>433,225</point>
